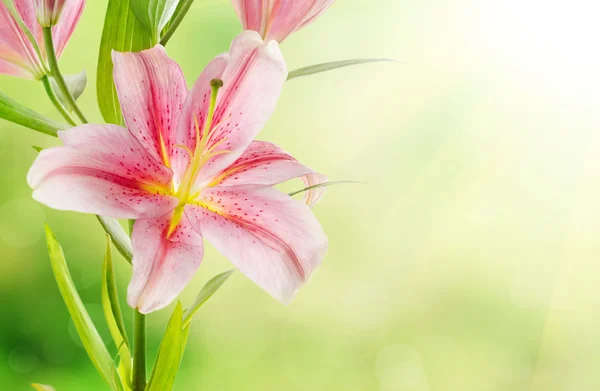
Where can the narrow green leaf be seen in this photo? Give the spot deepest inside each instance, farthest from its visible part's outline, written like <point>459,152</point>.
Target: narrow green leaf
<point>114,316</point>
<point>91,340</point>
<point>118,235</point>
<point>324,184</point>
<point>19,114</point>
<point>122,32</point>
<point>318,68</point>
<point>76,84</point>
<point>37,148</point>
<point>154,14</point>
<point>206,293</point>
<point>169,354</point>
<point>43,387</point>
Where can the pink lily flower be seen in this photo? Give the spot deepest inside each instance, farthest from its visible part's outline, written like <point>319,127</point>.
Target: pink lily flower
<point>188,168</point>
<point>18,56</point>
<point>276,19</point>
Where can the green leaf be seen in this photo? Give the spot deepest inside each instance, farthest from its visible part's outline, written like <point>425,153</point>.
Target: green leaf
<point>37,148</point>
<point>122,32</point>
<point>76,84</point>
<point>324,184</point>
<point>154,14</point>
<point>113,315</point>
<point>118,235</point>
<point>311,70</point>
<point>42,387</point>
<point>206,293</point>
<point>91,340</point>
<point>186,335</point>
<point>169,354</point>
<point>19,114</point>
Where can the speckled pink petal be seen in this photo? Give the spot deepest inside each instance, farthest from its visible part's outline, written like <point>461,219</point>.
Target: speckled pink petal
<point>162,266</point>
<point>195,108</point>
<point>277,19</point>
<point>151,89</point>
<point>102,169</point>
<point>253,74</point>
<point>273,239</point>
<point>266,164</point>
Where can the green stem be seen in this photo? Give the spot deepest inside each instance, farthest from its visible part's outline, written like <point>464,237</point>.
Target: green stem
<point>139,351</point>
<point>54,99</point>
<point>53,62</point>
<point>118,236</point>
<point>19,114</point>
<point>176,21</point>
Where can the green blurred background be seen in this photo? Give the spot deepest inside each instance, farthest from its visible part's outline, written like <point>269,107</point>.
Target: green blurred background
<point>469,261</point>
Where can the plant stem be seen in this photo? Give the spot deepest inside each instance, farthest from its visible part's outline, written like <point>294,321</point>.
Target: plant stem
<point>176,21</point>
<point>118,236</point>
<point>139,351</point>
<point>19,114</point>
<point>54,99</point>
<point>53,62</point>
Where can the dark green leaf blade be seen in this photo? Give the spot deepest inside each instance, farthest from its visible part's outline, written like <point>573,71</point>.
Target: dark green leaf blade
<point>318,68</point>
<point>91,340</point>
<point>169,354</point>
<point>123,32</point>
<point>154,14</point>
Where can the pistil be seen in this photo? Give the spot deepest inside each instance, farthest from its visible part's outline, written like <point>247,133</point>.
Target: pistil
<point>199,157</point>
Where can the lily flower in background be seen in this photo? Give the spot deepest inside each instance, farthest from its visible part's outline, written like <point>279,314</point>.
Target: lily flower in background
<point>276,19</point>
<point>188,168</point>
<point>21,57</point>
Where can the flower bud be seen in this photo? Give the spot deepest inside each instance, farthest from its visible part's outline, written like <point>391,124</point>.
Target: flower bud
<point>48,12</point>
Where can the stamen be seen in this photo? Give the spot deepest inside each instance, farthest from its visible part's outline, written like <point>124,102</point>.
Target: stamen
<point>185,148</point>
<point>215,84</point>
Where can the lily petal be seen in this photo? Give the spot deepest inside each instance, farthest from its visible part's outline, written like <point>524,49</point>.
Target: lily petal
<point>186,128</point>
<point>162,266</point>
<point>253,74</point>
<point>277,19</point>
<point>102,169</point>
<point>266,164</point>
<point>152,90</point>
<point>273,239</point>
<point>68,20</point>
<point>17,55</point>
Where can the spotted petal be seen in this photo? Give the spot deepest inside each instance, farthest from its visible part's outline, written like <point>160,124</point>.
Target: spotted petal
<point>273,239</point>
<point>253,74</point>
<point>266,164</point>
<point>162,266</point>
<point>151,89</point>
<point>102,169</point>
